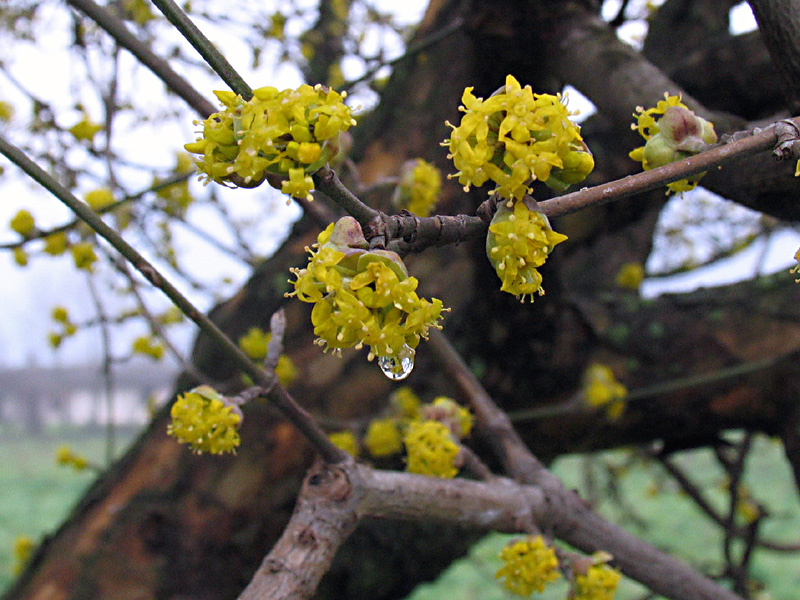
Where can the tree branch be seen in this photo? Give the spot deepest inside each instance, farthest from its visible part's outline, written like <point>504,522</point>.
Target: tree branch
<point>568,517</point>
<point>117,29</point>
<point>272,388</point>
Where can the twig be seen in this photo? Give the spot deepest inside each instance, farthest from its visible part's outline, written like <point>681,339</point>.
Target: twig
<point>568,517</point>
<point>117,29</point>
<point>411,50</point>
<point>205,47</point>
<point>408,233</point>
<point>276,393</point>
<point>43,233</point>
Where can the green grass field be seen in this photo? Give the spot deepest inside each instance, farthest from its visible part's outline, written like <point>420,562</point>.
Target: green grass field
<point>38,494</point>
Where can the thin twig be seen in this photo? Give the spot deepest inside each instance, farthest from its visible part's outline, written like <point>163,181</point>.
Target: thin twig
<point>411,50</point>
<point>117,29</point>
<point>205,47</point>
<point>277,394</point>
<point>568,517</point>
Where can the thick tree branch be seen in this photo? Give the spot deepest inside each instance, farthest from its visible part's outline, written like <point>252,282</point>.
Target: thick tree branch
<point>779,22</point>
<point>569,518</point>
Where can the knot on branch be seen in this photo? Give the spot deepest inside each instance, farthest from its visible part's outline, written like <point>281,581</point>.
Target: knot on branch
<point>329,482</point>
<point>788,143</point>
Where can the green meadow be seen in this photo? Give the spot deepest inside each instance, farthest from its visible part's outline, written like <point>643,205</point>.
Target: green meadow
<point>38,494</point>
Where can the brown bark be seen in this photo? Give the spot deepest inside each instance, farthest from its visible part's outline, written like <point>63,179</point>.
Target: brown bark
<point>166,524</point>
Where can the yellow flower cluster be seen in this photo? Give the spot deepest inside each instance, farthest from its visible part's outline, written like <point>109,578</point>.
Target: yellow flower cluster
<point>85,129</point>
<point>430,433</point>
<point>430,449</point>
<point>418,188</point>
<point>290,133</point>
<point>345,440</point>
<point>256,345</point>
<point>6,111</point>
<point>148,346</point>
<point>84,256</point>
<point>514,137</point>
<point>630,276</point>
<point>528,566</point>
<point>519,241</point>
<point>450,413</point>
<point>599,583</point>
<point>99,198</point>
<point>23,223</point>
<point>23,551</point>
<point>67,328</point>
<point>205,420</point>
<point>67,458</point>
<point>678,133</point>
<point>796,268</point>
<point>383,437</point>
<point>362,297</point>
<point>602,390</point>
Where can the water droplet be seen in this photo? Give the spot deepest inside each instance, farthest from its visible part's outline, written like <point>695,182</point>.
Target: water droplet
<point>400,366</point>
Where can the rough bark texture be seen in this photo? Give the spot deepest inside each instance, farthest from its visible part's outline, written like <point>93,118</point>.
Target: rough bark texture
<point>164,523</point>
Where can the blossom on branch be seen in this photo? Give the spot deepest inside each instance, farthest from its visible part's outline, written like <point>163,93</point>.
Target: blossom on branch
<point>362,297</point>
<point>677,134</point>
<point>528,566</point>
<point>514,137</point>
<point>430,449</point>
<point>289,133</point>
<point>205,420</point>
<point>519,241</point>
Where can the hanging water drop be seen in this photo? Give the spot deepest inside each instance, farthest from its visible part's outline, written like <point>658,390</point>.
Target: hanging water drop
<point>399,366</point>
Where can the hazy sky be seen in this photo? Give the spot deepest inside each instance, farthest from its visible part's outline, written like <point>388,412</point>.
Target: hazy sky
<point>27,295</point>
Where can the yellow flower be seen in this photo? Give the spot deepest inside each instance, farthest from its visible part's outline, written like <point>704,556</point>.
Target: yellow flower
<point>99,199</point>
<point>430,449</point>
<point>602,390</point>
<point>23,551</point>
<point>418,188</point>
<point>138,11</point>
<point>630,276</point>
<point>85,129</point>
<point>171,316</point>
<point>299,185</point>
<point>678,133</point>
<point>346,441</point>
<point>67,458</point>
<point>6,111</point>
<point>291,133</point>
<point>255,343</point>
<point>361,297</point>
<point>205,420</point>
<point>405,403</point>
<point>20,256</point>
<point>450,413</point>
<point>148,346</point>
<point>23,223</point>
<point>599,583</point>
<point>286,370</point>
<point>56,244</point>
<point>84,256</point>
<point>514,137</point>
<point>60,314</point>
<point>383,438</point>
<point>519,241</point>
<point>528,566</point>
<point>796,268</point>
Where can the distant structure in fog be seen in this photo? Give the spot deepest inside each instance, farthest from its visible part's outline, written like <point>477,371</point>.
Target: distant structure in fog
<point>36,397</point>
